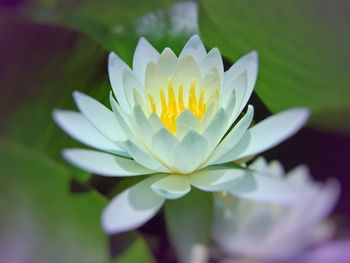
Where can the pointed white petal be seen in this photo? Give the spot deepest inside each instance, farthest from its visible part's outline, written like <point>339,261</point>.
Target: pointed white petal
<point>102,118</point>
<point>130,83</point>
<point>78,127</point>
<point>194,48</point>
<point>145,129</point>
<point>132,208</point>
<point>103,163</point>
<point>154,82</point>
<point>190,152</point>
<point>232,138</point>
<point>163,145</point>
<point>184,122</point>
<point>116,67</point>
<point>167,61</point>
<point>268,133</point>
<point>265,188</point>
<point>212,60</point>
<point>144,53</point>
<point>172,186</point>
<point>216,178</point>
<point>259,164</point>
<point>144,158</point>
<point>186,71</point>
<point>248,66</point>
<point>216,129</point>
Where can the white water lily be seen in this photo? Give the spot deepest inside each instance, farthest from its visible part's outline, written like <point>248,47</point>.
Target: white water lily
<point>253,231</point>
<point>171,120</point>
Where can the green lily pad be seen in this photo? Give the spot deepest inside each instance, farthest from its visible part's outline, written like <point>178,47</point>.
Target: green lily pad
<point>41,221</point>
<point>302,48</point>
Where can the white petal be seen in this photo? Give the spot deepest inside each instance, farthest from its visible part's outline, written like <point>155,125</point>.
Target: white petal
<point>167,61</point>
<point>232,138</point>
<point>124,120</point>
<point>77,126</point>
<point>264,188</point>
<point>186,71</point>
<point>268,133</point>
<point>103,163</point>
<point>102,118</point>
<point>194,48</point>
<point>216,178</point>
<point>184,122</point>
<point>155,121</point>
<point>116,67</point>
<point>259,164</point>
<point>155,81</point>
<point>247,65</point>
<point>132,208</point>
<point>145,128</point>
<point>172,186</point>
<point>211,84</point>
<point>130,83</point>
<point>144,53</point>
<point>216,129</point>
<point>190,152</point>
<point>144,158</point>
<point>163,145</point>
<point>212,60</point>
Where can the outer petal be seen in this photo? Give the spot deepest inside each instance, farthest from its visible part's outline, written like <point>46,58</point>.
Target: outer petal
<point>268,134</point>
<point>99,116</point>
<point>172,186</point>
<point>77,126</point>
<point>116,67</point>
<point>216,129</point>
<point>194,48</point>
<point>144,53</point>
<point>232,138</point>
<point>163,145</point>
<point>132,208</point>
<point>264,188</point>
<point>247,65</point>
<point>103,163</point>
<point>144,158</point>
<point>216,178</point>
<point>190,152</point>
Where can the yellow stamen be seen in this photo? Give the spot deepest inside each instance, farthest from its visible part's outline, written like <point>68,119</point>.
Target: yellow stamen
<point>172,108</point>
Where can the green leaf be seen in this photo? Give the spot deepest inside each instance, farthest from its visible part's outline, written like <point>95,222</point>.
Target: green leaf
<point>302,48</point>
<point>188,222</point>
<point>45,80</point>
<point>117,25</point>
<point>41,221</point>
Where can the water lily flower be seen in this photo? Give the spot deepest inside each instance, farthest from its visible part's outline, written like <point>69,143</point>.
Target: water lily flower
<point>255,231</point>
<point>177,120</point>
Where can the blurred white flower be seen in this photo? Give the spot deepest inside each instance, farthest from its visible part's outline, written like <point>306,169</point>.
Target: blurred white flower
<point>172,119</point>
<point>252,231</point>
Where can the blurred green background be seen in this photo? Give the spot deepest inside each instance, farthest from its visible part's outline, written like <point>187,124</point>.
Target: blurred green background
<point>49,48</point>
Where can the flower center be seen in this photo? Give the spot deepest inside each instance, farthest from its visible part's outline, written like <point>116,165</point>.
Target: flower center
<point>172,108</point>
